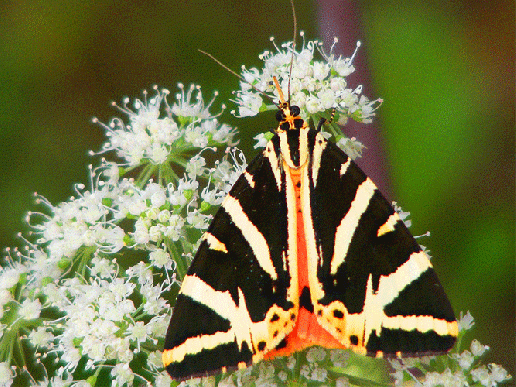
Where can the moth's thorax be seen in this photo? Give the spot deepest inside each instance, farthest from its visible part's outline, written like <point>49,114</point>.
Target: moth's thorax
<point>293,134</point>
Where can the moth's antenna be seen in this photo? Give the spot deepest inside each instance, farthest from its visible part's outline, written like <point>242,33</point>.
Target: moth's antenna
<point>293,47</point>
<point>238,76</point>
<point>278,87</point>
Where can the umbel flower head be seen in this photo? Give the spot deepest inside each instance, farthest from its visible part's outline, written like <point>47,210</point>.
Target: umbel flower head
<point>317,84</point>
<point>89,291</point>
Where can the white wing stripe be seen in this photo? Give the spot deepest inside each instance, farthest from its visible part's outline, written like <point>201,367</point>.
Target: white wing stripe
<point>349,223</point>
<point>253,237</point>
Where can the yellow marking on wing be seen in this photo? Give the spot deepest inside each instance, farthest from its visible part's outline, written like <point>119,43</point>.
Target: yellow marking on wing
<point>320,145</point>
<point>249,179</point>
<point>214,243</point>
<point>344,167</point>
<point>389,225</point>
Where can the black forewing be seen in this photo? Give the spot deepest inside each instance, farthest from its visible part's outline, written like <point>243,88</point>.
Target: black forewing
<point>370,254</point>
<point>265,206</point>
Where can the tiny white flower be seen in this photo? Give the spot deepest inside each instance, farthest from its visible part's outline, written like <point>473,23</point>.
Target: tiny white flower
<point>305,371</point>
<point>154,360</point>
<point>141,232</point>
<point>41,337</point>
<point>158,197</point>
<point>478,349</point>
<point>10,276</point>
<point>291,362</point>
<point>226,382</point>
<point>326,98</point>
<point>102,267</point>
<point>313,104</point>
<point>138,332</point>
<point>123,375</point>
<point>5,296</point>
<point>160,258</point>
<point>163,216</point>
<point>465,322</point>
<point>498,373</point>
<point>162,380</point>
<point>481,374</point>
<point>156,232</point>
<point>338,357</point>
<point>342,382</point>
<point>195,167</point>
<point>402,214</point>
<point>316,354</point>
<point>351,147</point>
<point>261,141</point>
<point>141,272</point>
<point>465,359</point>
<point>319,374</point>
<point>158,325</point>
<point>6,375</point>
<point>30,310</point>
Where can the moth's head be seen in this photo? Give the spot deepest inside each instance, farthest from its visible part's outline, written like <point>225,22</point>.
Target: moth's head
<point>288,117</point>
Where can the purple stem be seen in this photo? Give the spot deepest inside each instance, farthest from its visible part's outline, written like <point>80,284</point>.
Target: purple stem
<point>342,19</point>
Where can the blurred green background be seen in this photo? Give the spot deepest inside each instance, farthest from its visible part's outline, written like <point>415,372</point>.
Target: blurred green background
<point>445,70</point>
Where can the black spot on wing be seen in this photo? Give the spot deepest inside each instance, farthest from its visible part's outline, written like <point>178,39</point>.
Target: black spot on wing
<point>191,319</point>
<point>209,362</point>
<point>424,297</point>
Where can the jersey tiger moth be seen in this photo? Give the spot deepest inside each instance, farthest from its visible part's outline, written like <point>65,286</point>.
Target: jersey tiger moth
<point>305,251</point>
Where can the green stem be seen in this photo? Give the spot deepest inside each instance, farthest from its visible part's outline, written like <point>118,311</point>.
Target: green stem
<point>181,265</point>
<point>145,175</point>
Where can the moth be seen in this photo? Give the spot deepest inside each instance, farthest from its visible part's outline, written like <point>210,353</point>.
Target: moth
<point>305,251</point>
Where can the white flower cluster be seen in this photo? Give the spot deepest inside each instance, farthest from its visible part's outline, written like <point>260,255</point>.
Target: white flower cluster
<point>316,86</point>
<point>88,292</point>
<point>461,369</point>
<point>309,367</point>
<point>151,138</point>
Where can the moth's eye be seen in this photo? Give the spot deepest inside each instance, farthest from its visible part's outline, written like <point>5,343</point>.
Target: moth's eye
<point>298,123</point>
<point>294,110</point>
<point>280,116</point>
<point>285,126</point>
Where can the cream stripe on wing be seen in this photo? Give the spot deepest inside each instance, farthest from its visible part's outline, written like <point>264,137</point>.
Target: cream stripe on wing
<point>249,179</point>
<point>194,345</point>
<point>319,146</point>
<point>274,162</point>
<point>389,289</point>
<point>421,324</point>
<point>221,303</point>
<point>390,286</point>
<point>214,243</point>
<point>389,225</point>
<point>344,167</point>
<point>254,237</point>
<point>349,223</point>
